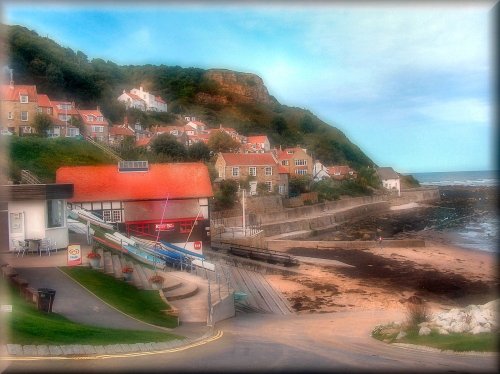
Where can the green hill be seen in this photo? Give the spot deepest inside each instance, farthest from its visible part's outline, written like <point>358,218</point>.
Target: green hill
<point>44,156</point>
<point>233,99</point>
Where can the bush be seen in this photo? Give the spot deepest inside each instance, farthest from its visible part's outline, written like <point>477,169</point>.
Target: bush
<point>416,312</point>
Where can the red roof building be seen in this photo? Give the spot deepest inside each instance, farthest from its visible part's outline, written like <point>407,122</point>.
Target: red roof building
<point>254,168</point>
<point>295,160</point>
<point>96,126</point>
<point>134,197</point>
<point>19,108</point>
<point>340,172</point>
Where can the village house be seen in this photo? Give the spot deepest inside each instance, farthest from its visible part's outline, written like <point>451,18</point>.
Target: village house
<point>145,200</point>
<point>132,101</point>
<point>341,172</point>
<point>63,112</point>
<point>31,212</point>
<point>18,106</point>
<point>118,133</point>
<point>320,171</point>
<point>295,161</point>
<point>256,144</point>
<point>390,179</point>
<point>96,126</point>
<point>254,168</point>
<point>153,103</point>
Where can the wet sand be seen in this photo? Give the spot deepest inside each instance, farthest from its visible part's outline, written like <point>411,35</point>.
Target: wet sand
<point>444,275</point>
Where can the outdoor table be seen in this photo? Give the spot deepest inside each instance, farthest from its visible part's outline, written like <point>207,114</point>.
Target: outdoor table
<point>34,244</point>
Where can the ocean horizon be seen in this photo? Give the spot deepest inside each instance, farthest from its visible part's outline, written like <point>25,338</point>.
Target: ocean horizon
<point>458,178</point>
<point>481,232</point>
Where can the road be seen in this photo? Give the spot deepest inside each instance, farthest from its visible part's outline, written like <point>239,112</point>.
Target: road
<point>335,342</point>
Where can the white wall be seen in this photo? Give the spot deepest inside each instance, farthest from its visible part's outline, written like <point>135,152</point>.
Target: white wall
<point>35,223</point>
<point>392,184</point>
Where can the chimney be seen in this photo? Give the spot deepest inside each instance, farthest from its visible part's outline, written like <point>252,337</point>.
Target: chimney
<point>98,108</point>
<point>140,88</point>
<point>123,91</point>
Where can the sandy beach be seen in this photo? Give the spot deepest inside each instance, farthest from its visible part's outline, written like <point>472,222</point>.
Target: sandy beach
<point>444,275</point>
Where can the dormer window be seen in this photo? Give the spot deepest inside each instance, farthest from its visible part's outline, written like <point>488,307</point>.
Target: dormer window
<point>100,119</point>
<point>90,118</point>
<point>24,99</point>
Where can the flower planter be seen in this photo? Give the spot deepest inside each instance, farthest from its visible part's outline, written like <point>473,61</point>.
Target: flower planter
<point>157,285</point>
<point>95,263</point>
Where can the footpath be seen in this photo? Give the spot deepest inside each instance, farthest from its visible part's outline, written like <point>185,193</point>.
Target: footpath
<point>78,304</point>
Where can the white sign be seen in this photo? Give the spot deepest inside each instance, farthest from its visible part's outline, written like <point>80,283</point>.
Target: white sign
<point>6,308</point>
<point>74,255</point>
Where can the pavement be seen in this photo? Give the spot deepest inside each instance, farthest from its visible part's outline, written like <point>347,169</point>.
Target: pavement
<point>78,304</point>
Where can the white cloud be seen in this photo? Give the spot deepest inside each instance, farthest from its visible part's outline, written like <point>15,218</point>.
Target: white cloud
<point>461,111</point>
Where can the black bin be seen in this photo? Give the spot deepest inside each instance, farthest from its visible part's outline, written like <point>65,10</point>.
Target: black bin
<point>46,299</point>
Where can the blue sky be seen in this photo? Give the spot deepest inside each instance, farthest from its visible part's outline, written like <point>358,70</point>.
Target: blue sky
<point>409,83</point>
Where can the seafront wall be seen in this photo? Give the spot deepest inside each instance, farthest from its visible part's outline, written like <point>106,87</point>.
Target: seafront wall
<point>285,245</point>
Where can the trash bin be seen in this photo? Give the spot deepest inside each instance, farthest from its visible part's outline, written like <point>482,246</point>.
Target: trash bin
<point>46,299</point>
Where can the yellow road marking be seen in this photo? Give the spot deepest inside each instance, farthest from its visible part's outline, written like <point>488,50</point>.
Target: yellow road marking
<point>122,355</point>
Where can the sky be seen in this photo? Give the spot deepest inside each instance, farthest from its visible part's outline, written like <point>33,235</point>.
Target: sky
<point>410,83</point>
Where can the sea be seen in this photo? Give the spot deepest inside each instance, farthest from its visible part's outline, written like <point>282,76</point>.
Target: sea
<point>477,234</point>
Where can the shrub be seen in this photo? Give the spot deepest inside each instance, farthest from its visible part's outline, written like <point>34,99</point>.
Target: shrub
<point>416,311</point>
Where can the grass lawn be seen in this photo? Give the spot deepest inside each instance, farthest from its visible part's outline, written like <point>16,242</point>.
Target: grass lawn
<point>26,325</point>
<point>459,342</point>
<point>145,305</point>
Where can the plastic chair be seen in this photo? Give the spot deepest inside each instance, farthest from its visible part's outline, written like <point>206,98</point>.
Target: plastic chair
<point>45,246</point>
<point>19,247</point>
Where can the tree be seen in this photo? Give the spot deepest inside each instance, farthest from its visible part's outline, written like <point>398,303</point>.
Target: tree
<point>42,123</point>
<point>220,141</point>
<point>78,123</point>
<point>226,197</point>
<point>299,184</point>
<point>367,177</point>
<point>199,151</point>
<point>306,124</point>
<point>279,125</point>
<point>167,145</point>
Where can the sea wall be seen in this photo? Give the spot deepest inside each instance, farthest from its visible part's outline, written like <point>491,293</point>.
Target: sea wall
<point>417,195</point>
<point>285,245</point>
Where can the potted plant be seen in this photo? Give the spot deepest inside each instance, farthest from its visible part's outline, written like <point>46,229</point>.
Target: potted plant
<point>127,272</point>
<point>94,259</point>
<point>156,281</point>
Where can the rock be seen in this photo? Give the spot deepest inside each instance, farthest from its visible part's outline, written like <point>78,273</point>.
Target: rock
<point>424,331</point>
<point>443,331</point>
<point>401,335</point>
<point>479,329</point>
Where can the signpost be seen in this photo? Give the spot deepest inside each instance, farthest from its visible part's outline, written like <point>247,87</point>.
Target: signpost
<point>74,255</point>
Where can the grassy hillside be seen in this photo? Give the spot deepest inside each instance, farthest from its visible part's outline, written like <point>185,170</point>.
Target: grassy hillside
<point>63,73</point>
<point>44,156</point>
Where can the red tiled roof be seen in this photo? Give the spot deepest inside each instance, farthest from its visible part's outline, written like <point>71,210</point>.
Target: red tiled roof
<point>143,142</point>
<point>11,93</point>
<point>105,182</point>
<point>44,101</point>
<point>248,159</point>
<point>133,96</point>
<point>342,169</point>
<point>95,113</point>
<point>72,111</point>
<point>282,170</point>
<point>257,139</point>
<point>120,130</point>
<point>284,155</point>
<point>159,99</point>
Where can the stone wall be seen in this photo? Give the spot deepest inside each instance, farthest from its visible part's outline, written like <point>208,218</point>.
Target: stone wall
<point>285,245</point>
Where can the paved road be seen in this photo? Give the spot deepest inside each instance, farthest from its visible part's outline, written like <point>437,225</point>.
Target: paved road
<point>76,303</point>
<point>334,342</point>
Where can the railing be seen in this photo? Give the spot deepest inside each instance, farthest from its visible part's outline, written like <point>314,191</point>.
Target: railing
<point>104,148</point>
<point>28,177</point>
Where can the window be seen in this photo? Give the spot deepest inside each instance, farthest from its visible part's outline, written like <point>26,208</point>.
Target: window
<point>252,171</point>
<point>269,170</point>
<point>10,116</point>
<point>49,110</point>
<point>185,227</point>
<point>55,213</point>
<point>26,129</point>
<point>39,110</point>
<point>290,152</point>
<point>24,99</point>
<point>117,215</point>
<point>72,132</point>
<point>281,189</point>
<point>64,117</point>
<point>100,119</point>
<point>90,118</point>
<point>301,172</point>
<point>221,172</point>
<point>236,172</point>
<point>269,185</point>
<point>97,128</point>
<point>106,215</point>
<point>24,116</point>
<point>300,162</point>
<point>284,162</point>
<point>54,132</point>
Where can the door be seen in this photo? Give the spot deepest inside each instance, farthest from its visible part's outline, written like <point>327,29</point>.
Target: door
<point>253,188</point>
<point>16,226</point>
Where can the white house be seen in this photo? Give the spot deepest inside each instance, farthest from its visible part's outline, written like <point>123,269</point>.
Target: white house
<point>132,101</point>
<point>390,179</point>
<point>320,171</point>
<point>153,103</point>
<point>34,211</point>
